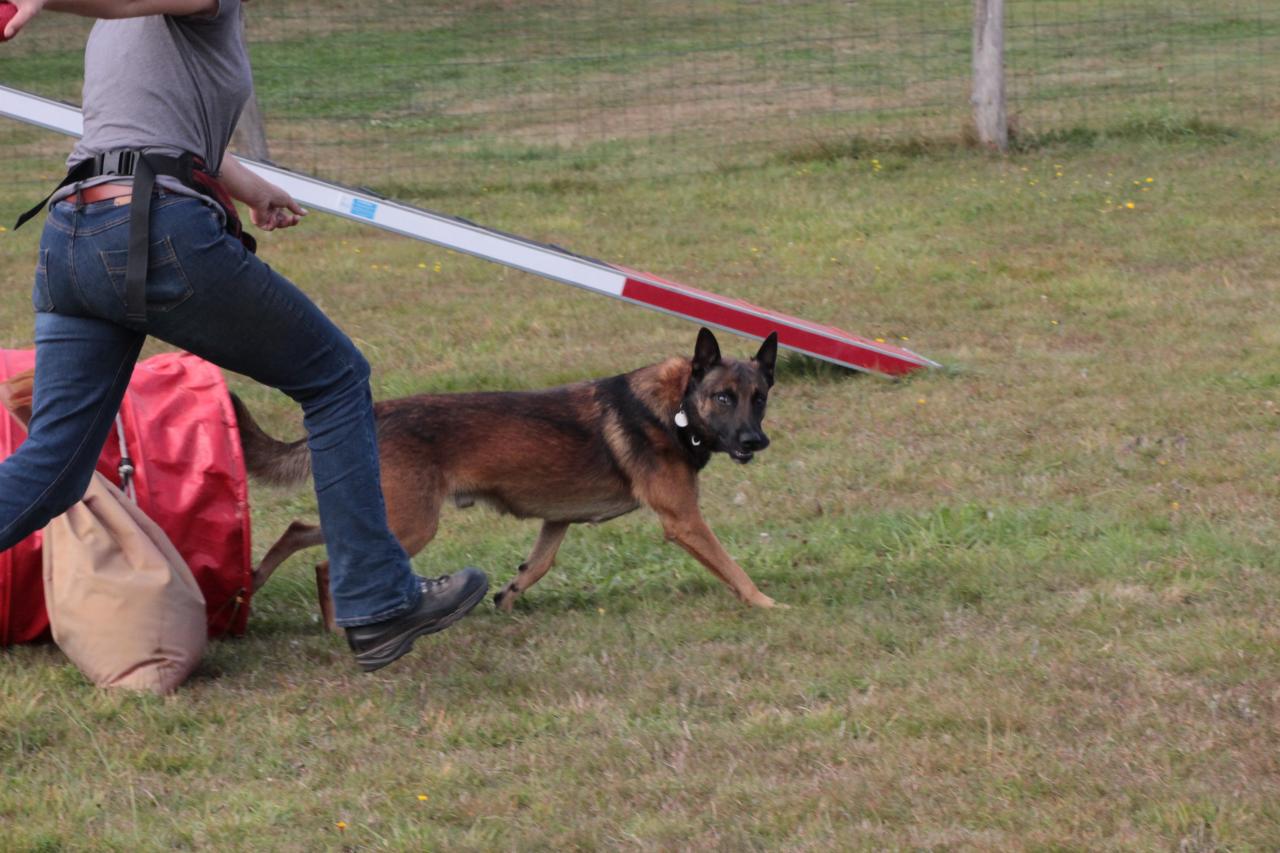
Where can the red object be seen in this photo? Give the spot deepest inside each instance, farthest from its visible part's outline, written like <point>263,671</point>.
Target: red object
<point>7,11</point>
<point>180,431</point>
<point>825,342</point>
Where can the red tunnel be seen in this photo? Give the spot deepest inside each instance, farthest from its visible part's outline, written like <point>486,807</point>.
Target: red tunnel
<point>180,431</point>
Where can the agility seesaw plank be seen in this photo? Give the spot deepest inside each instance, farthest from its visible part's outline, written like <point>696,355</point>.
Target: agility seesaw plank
<point>553,262</point>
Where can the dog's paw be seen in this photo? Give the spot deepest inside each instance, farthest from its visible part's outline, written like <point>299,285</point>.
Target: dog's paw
<point>762,600</point>
<point>505,598</point>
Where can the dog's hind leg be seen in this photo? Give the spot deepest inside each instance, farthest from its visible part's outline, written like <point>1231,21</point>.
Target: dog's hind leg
<point>414,529</point>
<point>532,569</point>
<point>325,599</point>
<point>413,514</point>
<point>299,535</point>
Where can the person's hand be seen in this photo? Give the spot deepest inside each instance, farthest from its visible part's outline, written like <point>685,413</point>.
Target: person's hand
<point>276,209</point>
<point>22,11</point>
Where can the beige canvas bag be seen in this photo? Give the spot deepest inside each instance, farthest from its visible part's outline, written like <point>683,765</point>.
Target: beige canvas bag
<point>122,603</point>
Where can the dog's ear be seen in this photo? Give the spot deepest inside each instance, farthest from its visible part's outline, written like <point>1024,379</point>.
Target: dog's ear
<point>706,353</point>
<point>767,357</point>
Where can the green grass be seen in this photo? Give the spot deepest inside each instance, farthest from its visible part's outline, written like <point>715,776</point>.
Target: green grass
<point>1032,593</point>
<point>422,96</point>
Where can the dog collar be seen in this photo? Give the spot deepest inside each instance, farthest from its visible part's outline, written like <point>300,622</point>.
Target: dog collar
<point>693,443</point>
<point>682,421</point>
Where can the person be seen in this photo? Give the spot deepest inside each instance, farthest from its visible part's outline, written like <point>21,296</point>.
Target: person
<point>164,83</point>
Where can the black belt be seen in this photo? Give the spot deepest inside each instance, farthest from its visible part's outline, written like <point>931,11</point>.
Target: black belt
<point>143,168</point>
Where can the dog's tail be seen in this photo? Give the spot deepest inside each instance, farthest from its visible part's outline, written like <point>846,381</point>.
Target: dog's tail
<point>280,463</point>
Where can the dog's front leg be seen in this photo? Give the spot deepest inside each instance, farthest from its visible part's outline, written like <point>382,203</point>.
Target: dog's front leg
<point>673,494</point>
<point>693,534</point>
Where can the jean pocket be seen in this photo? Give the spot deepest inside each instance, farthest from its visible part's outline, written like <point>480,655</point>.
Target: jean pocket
<point>40,296</point>
<point>167,283</point>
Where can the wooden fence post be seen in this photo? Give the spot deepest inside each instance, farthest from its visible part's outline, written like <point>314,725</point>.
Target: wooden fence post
<point>989,115</point>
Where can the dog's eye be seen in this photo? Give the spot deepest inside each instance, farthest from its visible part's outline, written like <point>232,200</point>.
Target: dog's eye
<point>724,399</point>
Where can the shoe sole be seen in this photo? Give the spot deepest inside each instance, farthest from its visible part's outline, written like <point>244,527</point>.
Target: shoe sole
<point>404,644</point>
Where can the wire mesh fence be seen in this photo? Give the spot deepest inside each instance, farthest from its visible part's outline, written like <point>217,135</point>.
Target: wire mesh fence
<point>414,98</point>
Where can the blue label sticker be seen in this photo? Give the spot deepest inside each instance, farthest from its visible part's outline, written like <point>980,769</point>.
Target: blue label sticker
<point>362,208</point>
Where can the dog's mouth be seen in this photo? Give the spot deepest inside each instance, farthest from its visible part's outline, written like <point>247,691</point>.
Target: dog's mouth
<point>742,457</point>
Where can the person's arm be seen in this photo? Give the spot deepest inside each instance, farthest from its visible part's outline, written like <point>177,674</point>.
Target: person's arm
<point>269,206</point>
<point>28,9</point>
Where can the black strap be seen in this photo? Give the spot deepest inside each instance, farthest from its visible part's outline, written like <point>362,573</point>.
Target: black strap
<point>135,278</point>
<point>81,171</point>
<point>144,168</point>
<point>695,444</point>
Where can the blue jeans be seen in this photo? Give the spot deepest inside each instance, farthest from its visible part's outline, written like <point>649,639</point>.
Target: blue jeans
<point>208,295</point>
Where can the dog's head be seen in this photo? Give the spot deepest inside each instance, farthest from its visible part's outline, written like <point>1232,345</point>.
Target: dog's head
<point>726,398</point>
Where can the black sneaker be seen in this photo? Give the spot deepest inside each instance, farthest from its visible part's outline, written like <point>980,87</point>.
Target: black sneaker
<point>445,600</point>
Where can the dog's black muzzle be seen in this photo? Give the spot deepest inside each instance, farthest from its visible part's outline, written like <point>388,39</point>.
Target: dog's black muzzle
<point>749,444</point>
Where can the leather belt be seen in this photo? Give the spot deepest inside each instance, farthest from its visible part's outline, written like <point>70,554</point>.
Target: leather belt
<point>122,193</point>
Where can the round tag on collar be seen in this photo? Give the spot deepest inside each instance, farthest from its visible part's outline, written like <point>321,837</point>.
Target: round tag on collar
<point>682,420</point>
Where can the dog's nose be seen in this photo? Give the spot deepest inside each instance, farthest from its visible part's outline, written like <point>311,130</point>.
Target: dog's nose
<point>752,442</point>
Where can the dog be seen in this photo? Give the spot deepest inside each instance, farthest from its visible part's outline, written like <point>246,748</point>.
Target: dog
<point>581,453</point>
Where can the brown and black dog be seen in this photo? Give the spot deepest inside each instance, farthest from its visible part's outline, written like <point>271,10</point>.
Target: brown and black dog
<point>580,453</point>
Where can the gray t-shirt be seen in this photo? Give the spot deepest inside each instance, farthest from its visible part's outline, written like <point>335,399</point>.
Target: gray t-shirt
<point>165,84</point>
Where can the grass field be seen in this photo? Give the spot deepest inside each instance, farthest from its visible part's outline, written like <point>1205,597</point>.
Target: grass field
<point>1032,594</point>
<point>412,97</point>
